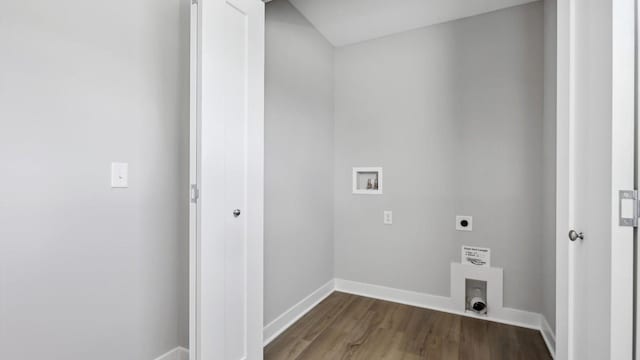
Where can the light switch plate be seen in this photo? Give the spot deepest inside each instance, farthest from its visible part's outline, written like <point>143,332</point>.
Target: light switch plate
<point>119,175</point>
<point>464,223</point>
<point>388,217</point>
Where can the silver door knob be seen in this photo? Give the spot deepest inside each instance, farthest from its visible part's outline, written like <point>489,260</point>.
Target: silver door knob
<point>573,235</point>
<point>236,212</point>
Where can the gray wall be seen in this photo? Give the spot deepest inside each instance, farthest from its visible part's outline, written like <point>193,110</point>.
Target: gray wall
<point>454,114</point>
<point>86,271</point>
<point>549,166</point>
<point>298,159</point>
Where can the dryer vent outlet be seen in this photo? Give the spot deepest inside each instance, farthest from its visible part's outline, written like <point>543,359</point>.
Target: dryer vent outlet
<point>476,296</point>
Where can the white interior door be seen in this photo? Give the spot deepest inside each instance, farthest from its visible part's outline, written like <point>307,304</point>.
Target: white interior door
<point>227,166</point>
<point>595,160</point>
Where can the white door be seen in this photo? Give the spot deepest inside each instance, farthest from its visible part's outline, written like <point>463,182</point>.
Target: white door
<point>595,160</point>
<point>227,61</point>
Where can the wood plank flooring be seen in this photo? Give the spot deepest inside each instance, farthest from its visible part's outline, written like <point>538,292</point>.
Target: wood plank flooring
<point>345,326</point>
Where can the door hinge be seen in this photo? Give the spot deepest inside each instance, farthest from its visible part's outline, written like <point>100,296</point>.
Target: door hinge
<point>628,205</point>
<point>195,193</point>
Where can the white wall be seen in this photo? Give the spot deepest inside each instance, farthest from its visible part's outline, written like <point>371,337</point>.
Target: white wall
<point>549,166</point>
<point>298,159</point>
<point>454,114</point>
<point>87,271</point>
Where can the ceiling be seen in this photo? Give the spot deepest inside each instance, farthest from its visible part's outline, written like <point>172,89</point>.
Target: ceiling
<point>345,22</point>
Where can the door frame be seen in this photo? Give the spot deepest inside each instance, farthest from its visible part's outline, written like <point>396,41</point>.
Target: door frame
<point>255,188</point>
<point>194,178</point>
<point>621,18</point>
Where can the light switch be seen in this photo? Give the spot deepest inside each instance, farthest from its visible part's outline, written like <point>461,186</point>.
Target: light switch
<point>388,217</point>
<point>119,175</point>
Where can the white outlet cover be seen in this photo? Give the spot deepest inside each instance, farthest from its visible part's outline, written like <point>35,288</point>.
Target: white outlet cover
<point>388,217</point>
<point>119,175</point>
<point>460,221</point>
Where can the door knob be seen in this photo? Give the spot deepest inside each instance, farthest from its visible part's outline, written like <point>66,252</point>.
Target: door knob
<point>573,235</point>
<point>236,212</point>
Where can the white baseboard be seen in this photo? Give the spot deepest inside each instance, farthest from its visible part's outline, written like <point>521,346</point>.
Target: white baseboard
<point>434,302</point>
<point>178,353</point>
<point>284,321</point>
<point>548,335</point>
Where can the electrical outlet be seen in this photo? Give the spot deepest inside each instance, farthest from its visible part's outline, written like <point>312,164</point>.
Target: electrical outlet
<point>464,223</point>
<point>388,217</point>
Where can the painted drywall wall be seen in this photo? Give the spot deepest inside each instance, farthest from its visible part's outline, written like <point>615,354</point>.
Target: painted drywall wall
<point>549,166</point>
<point>87,271</point>
<point>453,113</point>
<point>298,237</point>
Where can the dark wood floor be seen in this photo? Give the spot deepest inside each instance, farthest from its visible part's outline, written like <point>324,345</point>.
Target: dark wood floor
<point>346,326</point>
